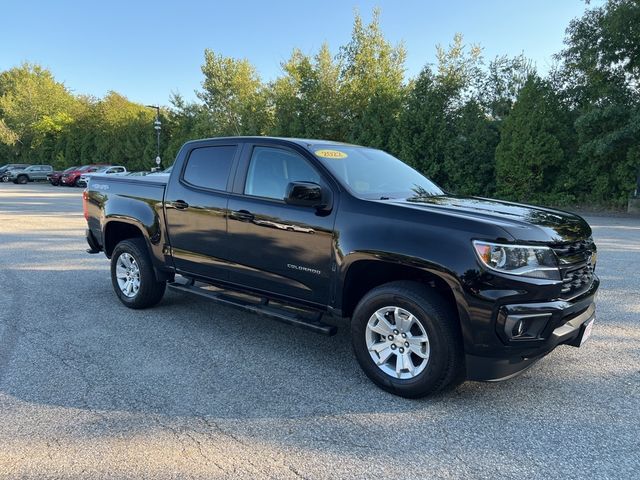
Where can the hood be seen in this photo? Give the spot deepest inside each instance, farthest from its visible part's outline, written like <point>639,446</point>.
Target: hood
<point>525,223</point>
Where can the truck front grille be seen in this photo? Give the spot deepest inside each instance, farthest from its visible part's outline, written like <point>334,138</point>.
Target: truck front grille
<point>576,281</point>
<point>576,266</point>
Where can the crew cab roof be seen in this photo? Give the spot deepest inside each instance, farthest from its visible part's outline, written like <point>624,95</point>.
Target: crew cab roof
<point>304,142</point>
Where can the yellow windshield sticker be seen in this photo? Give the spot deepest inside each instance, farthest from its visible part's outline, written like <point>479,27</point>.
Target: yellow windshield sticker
<point>330,154</point>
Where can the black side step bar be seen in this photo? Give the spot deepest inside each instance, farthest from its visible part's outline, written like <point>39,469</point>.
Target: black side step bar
<point>262,308</point>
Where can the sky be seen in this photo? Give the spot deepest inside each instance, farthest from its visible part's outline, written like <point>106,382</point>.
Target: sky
<point>146,50</point>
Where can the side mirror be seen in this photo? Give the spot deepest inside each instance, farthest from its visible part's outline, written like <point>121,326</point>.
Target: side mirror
<point>306,194</point>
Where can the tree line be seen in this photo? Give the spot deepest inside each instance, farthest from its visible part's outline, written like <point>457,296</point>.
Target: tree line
<point>495,128</point>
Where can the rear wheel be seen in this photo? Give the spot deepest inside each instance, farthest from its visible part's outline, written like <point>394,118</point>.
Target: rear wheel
<point>407,339</point>
<point>132,275</point>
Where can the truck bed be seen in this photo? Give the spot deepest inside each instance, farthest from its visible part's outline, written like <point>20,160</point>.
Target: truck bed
<point>138,199</point>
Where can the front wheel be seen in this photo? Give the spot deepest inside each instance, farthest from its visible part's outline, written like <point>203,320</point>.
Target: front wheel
<point>133,277</point>
<point>407,339</point>
<point>22,179</point>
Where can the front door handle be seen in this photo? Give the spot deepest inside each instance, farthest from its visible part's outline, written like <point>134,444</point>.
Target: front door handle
<point>180,204</point>
<point>243,215</point>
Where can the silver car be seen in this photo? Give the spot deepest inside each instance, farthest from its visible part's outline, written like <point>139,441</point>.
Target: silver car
<point>83,181</point>
<point>30,174</point>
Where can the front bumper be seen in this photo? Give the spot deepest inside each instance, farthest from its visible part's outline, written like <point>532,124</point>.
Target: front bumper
<point>563,323</point>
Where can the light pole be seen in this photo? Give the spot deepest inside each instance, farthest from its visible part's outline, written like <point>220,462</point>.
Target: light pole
<point>157,126</point>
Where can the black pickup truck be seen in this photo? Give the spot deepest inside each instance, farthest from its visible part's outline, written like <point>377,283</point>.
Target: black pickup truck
<point>438,288</point>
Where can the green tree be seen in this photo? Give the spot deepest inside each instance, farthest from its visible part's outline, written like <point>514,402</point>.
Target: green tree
<point>534,146</point>
<point>184,121</point>
<point>372,84</point>
<point>470,160</point>
<point>306,98</point>
<point>441,120</point>
<point>599,77</point>
<point>422,134</point>
<point>33,109</point>
<point>234,96</point>
<point>502,82</point>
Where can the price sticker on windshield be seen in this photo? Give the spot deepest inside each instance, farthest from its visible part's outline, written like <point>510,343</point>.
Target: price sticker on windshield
<point>335,154</point>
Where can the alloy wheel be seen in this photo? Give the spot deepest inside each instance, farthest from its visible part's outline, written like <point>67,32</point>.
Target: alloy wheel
<point>128,274</point>
<point>397,342</point>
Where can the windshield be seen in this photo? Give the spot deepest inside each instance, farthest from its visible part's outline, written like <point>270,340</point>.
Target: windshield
<point>374,174</point>
<point>70,169</point>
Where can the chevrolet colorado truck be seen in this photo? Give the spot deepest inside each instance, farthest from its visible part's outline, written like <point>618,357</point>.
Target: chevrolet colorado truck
<point>437,288</point>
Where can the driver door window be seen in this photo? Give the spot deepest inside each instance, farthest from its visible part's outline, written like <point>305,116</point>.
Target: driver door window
<point>271,170</point>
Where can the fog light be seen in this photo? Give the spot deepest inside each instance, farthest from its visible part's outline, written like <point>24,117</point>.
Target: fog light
<point>518,328</point>
<point>525,326</point>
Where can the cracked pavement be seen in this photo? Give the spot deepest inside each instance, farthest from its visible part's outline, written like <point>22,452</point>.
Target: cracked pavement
<point>191,389</point>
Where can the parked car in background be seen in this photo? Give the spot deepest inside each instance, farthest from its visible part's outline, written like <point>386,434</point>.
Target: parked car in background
<point>107,170</point>
<point>166,171</point>
<point>55,177</point>
<point>70,178</point>
<point>4,170</point>
<point>32,173</point>
<point>143,173</point>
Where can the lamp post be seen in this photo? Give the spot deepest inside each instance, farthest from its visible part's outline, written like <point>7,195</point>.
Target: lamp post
<point>157,127</point>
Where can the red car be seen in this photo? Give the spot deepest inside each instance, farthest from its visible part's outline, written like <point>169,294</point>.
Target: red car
<point>55,177</point>
<point>70,178</point>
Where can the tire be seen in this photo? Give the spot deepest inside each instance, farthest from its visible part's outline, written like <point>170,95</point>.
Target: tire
<point>22,179</point>
<point>443,366</point>
<point>149,291</point>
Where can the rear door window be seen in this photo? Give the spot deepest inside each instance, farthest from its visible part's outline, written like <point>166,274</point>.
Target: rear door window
<point>210,167</point>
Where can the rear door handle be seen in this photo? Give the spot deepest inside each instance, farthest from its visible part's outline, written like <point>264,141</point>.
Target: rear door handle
<point>180,204</point>
<point>243,215</point>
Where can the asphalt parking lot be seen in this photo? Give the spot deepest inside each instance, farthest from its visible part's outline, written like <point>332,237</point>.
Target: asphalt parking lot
<point>191,389</point>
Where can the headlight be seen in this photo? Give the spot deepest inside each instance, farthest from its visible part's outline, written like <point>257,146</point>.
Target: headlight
<point>522,260</point>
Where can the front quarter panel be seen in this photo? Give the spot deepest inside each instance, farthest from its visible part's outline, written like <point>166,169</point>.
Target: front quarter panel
<point>431,242</point>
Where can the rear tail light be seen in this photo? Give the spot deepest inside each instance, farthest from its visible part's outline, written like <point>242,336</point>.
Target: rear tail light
<point>85,200</point>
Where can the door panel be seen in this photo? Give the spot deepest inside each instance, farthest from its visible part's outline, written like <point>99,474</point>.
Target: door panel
<point>196,209</point>
<point>277,247</point>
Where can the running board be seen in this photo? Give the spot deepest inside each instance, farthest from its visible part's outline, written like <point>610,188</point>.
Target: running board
<point>261,308</point>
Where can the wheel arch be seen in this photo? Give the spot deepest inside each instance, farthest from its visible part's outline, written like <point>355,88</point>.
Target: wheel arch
<point>115,231</point>
<point>363,271</point>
